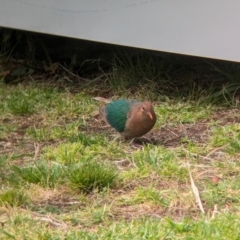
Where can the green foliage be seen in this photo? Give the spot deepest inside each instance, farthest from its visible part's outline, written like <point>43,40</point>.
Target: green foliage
<point>52,142</point>
<point>232,87</point>
<point>67,153</point>
<point>91,175</point>
<point>151,195</point>
<point>139,68</point>
<point>21,104</point>
<point>55,132</point>
<point>3,162</point>
<point>42,173</point>
<point>20,101</point>
<point>226,192</point>
<point>82,147</point>
<point>160,160</point>
<point>226,135</point>
<point>13,198</point>
<point>234,144</point>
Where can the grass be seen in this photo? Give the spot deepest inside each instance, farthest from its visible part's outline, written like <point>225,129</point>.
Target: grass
<point>66,175</point>
<point>13,198</point>
<point>41,173</point>
<point>91,175</point>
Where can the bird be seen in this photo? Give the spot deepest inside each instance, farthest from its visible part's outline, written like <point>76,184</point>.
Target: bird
<point>131,118</point>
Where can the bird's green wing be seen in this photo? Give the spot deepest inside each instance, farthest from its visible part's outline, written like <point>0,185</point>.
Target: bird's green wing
<point>117,113</point>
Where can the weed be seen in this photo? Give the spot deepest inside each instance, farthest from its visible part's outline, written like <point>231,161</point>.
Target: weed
<point>91,175</point>
<point>14,198</point>
<point>151,195</point>
<point>42,173</point>
<point>138,68</point>
<point>160,160</point>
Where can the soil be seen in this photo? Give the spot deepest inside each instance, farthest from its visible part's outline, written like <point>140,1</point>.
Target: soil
<point>167,136</point>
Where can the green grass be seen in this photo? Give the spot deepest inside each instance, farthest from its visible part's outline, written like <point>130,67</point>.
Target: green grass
<point>90,175</point>
<point>41,173</point>
<point>65,175</point>
<point>13,198</point>
<point>221,227</point>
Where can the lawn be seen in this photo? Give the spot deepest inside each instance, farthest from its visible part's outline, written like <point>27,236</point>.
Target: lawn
<point>66,174</point>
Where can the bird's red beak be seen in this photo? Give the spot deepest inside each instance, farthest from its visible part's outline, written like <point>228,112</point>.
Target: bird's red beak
<point>150,115</point>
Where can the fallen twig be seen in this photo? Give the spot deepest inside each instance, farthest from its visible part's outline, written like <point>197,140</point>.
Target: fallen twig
<point>215,210</point>
<point>195,190</point>
<point>214,150</point>
<point>50,221</point>
<point>101,99</point>
<point>197,155</point>
<point>37,149</point>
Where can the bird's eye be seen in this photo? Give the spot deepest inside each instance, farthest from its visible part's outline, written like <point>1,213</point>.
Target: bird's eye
<point>143,108</point>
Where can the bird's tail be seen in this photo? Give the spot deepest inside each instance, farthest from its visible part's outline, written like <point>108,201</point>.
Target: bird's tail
<point>102,112</point>
<point>101,99</point>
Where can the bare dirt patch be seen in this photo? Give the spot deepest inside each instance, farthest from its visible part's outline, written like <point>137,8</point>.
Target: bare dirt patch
<point>171,136</point>
<point>174,136</point>
<point>19,142</point>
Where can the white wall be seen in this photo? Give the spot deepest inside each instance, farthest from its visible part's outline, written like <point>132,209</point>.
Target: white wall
<point>208,28</point>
